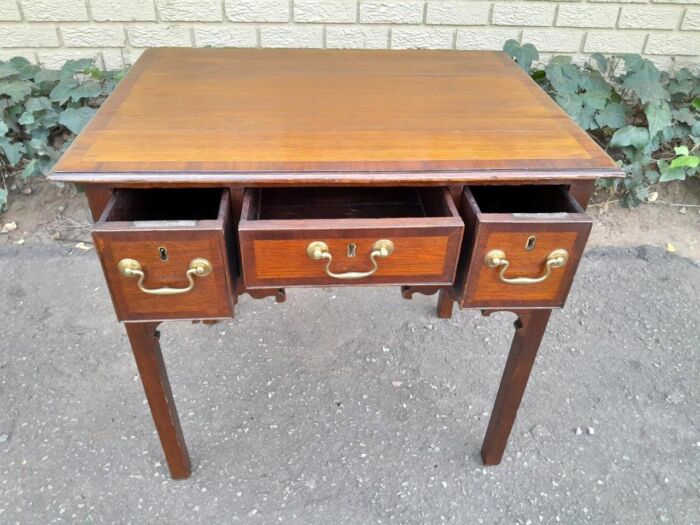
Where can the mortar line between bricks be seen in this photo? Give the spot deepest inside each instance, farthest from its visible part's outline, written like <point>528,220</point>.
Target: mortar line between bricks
<point>679,26</point>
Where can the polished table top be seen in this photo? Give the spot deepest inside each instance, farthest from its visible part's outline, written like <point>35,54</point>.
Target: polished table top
<point>287,117</point>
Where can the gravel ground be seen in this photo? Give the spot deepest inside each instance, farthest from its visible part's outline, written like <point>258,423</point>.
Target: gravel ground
<point>352,405</point>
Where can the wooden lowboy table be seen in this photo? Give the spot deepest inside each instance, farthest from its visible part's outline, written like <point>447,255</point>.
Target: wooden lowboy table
<point>216,172</point>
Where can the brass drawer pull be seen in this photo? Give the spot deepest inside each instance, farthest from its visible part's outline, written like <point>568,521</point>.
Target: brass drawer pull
<point>318,250</point>
<point>496,258</point>
<point>132,268</point>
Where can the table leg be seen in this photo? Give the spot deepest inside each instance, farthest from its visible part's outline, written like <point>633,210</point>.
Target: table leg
<point>445,304</point>
<point>149,360</point>
<point>529,329</point>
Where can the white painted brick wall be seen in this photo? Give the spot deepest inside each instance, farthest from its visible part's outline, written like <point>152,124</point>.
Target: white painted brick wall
<point>190,10</point>
<point>421,38</point>
<point>614,42</point>
<point>458,13</point>
<point>122,11</point>
<point>357,37</point>
<point>331,11</point>
<point>584,15</point>
<point>554,40</point>
<point>691,22</point>
<point>159,36</point>
<point>392,11</point>
<point>28,36</point>
<point>653,17</point>
<point>115,32</point>
<point>485,38</point>
<point>291,36</point>
<point>258,10</point>
<point>228,36</point>
<point>93,36</point>
<point>54,10</point>
<point>524,14</point>
<point>9,11</point>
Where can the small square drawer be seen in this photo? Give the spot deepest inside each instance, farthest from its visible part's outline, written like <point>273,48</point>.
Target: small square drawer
<point>522,247</point>
<point>342,236</point>
<point>165,253</point>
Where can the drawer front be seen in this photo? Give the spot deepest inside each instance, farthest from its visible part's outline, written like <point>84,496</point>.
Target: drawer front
<point>165,254</point>
<point>522,260</point>
<point>276,253</point>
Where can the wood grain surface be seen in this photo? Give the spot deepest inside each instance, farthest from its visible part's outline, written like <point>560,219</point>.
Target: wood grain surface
<point>480,285</point>
<point>266,117</point>
<point>273,251</point>
<point>212,296</point>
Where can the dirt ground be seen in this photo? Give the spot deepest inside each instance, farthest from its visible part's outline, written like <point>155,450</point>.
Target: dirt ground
<point>53,214</point>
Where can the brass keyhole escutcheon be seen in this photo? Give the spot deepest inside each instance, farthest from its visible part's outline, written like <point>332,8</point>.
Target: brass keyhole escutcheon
<point>163,253</point>
<point>530,243</point>
<point>352,249</point>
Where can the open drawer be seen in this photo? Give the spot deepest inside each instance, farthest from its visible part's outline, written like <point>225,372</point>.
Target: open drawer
<point>522,247</point>
<point>165,253</point>
<point>342,236</point>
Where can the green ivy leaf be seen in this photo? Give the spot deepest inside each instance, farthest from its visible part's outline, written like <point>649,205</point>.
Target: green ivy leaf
<point>594,83</point>
<point>35,104</point>
<point>642,193</point>
<point>652,176</point>
<point>71,67</point>
<point>684,115</point>
<point>634,136</point>
<point>685,161</point>
<point>696,103</point>
<point>3,128</point>
<point>17,90</point>
<point>523,55</point>
<point>7,69</point>
<point>577,108</point>
<point>601,62</point>
<point>683,83</point>
<point>658,117</point>
<point>681,150</point>
<point>31,169</point>
<point>563,77</point>
<point>3,199</point>
<point>668,173</point>
<point>644,79</point>
<point>12,150</point>
<point>613,116</point>
<point>26,118</point>
<point>72,90</point>
<point>47,75</point>
<point>76,118</point>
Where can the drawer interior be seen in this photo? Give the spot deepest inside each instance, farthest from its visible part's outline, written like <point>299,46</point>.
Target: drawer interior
<point>191,204</point>
<point>347,203</point>
<point>524,199</point>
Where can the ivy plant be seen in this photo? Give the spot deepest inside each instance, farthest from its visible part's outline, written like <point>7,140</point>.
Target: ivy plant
<point>644,118</point>
<point>41,111</point>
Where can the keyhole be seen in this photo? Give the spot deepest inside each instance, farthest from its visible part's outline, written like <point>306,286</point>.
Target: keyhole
<point>352,249</point>
<point>530,244</point>
<point>163,254</point>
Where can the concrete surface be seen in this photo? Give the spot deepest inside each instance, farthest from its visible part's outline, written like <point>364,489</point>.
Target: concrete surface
<point>352,405</point>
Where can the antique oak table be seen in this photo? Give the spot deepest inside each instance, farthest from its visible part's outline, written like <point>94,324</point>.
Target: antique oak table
<point>211,173</point>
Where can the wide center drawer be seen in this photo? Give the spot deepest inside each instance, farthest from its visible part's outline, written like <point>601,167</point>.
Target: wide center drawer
<point>343,236</point>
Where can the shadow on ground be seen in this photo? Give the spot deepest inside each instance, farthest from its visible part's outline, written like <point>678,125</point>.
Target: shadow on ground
<point>352,405</point>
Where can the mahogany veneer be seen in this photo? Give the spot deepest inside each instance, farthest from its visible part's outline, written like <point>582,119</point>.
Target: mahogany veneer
<point>244,157</point>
